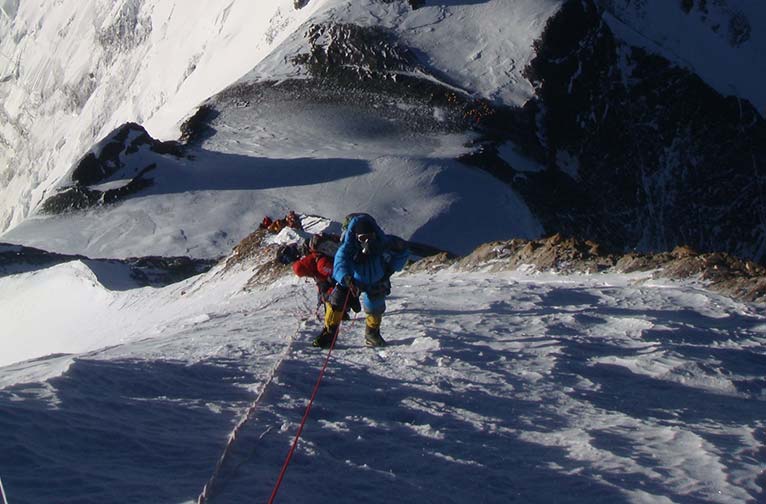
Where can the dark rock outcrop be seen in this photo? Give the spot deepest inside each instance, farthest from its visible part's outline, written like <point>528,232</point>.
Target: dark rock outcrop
<point>157,271</point>
<point>364,66</point>
<point>111,159</point>
<point>196,128</point>
<point>349,52</point>
<point>107,158</point>
<point>636,152</point>
<point>80,197</point>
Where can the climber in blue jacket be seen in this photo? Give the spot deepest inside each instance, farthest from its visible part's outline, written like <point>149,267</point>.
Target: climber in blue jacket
<point>364,263</point>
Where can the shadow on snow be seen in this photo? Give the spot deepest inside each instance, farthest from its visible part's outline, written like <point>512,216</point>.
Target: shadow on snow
<point>116,431</point>
<point>216,171</point>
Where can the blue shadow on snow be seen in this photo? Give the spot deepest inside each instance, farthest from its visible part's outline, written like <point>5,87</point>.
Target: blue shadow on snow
<point>116,432</point>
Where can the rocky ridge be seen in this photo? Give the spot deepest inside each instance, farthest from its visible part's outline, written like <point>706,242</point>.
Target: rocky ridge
<point>120,157</point>
<point>143,271</point>
<point>720,272</point>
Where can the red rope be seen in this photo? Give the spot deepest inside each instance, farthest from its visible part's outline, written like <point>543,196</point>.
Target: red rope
<point>308,408</point>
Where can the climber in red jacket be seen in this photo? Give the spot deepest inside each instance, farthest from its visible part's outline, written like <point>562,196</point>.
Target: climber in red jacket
<point>318,267</point>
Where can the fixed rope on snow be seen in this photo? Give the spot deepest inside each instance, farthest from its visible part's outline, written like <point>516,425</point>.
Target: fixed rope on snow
<point>208,488</point>
<point>308,408</point>
<point>2,492</point>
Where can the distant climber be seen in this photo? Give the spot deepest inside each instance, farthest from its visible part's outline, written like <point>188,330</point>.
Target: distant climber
<point>319,267</point>
<point>317,263</point>
<point>292,220</point>
<point>364,263</point>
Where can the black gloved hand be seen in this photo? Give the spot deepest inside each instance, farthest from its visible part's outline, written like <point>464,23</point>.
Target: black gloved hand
<point>348,281</point>
<point>323,286</point>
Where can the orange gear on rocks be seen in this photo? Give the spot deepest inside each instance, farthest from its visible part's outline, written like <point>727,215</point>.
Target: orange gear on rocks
<point>293,221</point>
<point>277,226</point>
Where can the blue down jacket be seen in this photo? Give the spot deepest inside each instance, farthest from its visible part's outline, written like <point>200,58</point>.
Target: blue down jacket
<point>388,254</point>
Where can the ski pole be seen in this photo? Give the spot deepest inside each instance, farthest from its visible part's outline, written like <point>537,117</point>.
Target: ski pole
<point>2,492</point>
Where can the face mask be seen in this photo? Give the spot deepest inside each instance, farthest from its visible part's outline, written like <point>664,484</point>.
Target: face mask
<point>365,241</point>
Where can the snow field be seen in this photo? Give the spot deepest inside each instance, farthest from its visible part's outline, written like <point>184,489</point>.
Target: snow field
<point>275,157</point>
<point>492,387</point>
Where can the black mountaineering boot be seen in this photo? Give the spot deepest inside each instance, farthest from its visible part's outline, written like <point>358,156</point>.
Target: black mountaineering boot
<point>324,340</point>
<point>372,337</point>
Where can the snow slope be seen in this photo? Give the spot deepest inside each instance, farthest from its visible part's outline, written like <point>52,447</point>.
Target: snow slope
<point>71,71</point>
<point>496,387</point>
<point>721,41</point>
<point>499,387</point>
<point>203,207</point>
<point>305,154</point>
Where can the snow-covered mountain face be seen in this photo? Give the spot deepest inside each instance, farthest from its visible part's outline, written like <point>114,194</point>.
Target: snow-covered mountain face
<point>635,123</point>
<point>71,71</point>
<point>347,114</point>
<point>501,382</point>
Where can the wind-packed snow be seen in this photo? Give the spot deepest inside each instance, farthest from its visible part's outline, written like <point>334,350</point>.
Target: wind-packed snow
<point>489,46</point>
<point>494,388</point>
